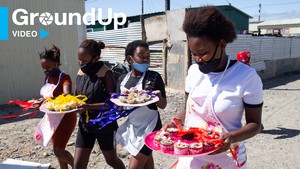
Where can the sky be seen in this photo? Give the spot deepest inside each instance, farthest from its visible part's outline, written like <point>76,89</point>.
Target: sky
<point>270,9</point>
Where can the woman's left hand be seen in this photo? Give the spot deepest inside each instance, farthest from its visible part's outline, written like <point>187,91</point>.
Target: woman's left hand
<point>162,103</point>
<point>157,92</point>
<point>226,144</point>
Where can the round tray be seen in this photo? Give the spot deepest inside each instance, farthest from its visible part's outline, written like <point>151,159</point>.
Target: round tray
<point>45,110</point>
<point>119,103</point>
<point>149,141</point>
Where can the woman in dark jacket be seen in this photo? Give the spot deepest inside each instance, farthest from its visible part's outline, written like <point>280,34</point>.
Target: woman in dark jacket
<point>95,80</point>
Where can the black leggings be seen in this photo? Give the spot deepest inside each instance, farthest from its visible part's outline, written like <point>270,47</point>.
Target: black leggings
<point>87,140</point>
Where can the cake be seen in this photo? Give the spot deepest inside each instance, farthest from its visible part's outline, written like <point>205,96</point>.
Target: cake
<point>208,147</point>
<point>181,148</point>
<point>195,148</point>
<point>130,101</point>
<point>172,131</point>
<point>147,98</point>
<point>167,145</point>
<point>123,99</point>
<point>159,137</point>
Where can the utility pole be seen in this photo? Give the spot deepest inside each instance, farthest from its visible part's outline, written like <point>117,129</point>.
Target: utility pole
<point>167,5</point>
<point>259,12</point>
<point>143,23</point>
<point>165,47</point>
<point>259,31</point>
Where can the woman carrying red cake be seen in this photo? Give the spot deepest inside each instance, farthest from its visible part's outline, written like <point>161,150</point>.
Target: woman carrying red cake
<point>218,91</point>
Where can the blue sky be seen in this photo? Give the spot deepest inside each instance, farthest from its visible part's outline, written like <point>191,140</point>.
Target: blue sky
<point>270,9</point>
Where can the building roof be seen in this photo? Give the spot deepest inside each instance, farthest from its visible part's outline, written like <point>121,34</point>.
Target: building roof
<point>238,10</point>
<point>294,21</point>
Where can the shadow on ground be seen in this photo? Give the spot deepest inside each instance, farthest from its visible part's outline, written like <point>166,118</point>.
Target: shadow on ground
<point>281,80</point>
<point>7,110</point>
<point>282,132</point>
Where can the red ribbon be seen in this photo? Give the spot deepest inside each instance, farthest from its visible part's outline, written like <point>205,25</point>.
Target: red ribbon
<point>26,106</point>
<point>34,113</point>
<point>23,104</point>
<point>200,135</point>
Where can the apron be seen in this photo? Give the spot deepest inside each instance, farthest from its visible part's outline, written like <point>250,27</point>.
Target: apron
<point>140,123</point>
<point>200,113</point>
<point>49,123</point>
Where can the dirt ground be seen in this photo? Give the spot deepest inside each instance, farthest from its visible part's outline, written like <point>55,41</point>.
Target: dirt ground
<point>276,147</point>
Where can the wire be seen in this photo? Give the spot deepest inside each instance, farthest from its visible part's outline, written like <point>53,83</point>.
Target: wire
<point>228,2</point>
<point>90,1</point>
<point>287,3</point>
<point>250,7</point>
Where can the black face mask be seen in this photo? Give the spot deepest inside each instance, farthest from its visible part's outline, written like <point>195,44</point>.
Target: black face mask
<point>54,72</point>
<point>211,65</point>
<point>88,68</point>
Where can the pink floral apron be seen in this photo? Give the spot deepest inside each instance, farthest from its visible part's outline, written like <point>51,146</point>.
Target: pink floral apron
<point>200,113</point>
<point>49,123</point>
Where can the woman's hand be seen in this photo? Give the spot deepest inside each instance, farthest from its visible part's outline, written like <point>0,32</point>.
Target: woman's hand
<point>84,107</point>
<point>36,102</point>
<point>162,103</point>
<point>157,92</point>
<point>226,144</point>
<point>169,124</point>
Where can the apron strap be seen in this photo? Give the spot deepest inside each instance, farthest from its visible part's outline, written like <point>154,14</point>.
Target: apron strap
<point>59,78</point>
<point>60,74</point>
<point>212,96</point>
<point>213,93</point>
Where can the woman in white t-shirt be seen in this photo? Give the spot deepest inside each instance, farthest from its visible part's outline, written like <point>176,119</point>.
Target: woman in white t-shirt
<point>218,91</point>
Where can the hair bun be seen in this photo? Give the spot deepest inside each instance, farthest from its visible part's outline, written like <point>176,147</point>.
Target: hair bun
<point>101,45</point>
<point>56,51</point>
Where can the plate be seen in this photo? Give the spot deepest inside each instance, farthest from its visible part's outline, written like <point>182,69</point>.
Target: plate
<point>119,103</point>
<point>45,110</point>
<point>149,141</point>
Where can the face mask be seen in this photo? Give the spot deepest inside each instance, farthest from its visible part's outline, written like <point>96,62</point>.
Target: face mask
<point>141,67</point>
<point>88,68</point>
<point>53,72</point>
<point>211,65</point>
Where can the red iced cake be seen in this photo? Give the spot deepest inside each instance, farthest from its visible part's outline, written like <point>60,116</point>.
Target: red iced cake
<point>208,147</point>
<point>172,131</point>
<point>181,148</point>
<point>159,137</point>
<point>167,145</point>
<point>195,148</point>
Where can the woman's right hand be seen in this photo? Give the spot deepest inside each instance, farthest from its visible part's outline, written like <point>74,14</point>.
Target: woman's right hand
<point>36,102</point>
<point>84,107</point>
<point>169,124</point>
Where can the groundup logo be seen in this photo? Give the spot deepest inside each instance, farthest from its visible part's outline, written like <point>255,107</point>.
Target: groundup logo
<point>22,17</point>
<point>46,18</point>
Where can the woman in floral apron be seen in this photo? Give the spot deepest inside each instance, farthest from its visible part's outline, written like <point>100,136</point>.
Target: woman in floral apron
<point>58,127</point>
<point>218,91</point>
<point>146,119</point>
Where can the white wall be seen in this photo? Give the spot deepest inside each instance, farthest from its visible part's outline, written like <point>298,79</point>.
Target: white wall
<point>264,49</point>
